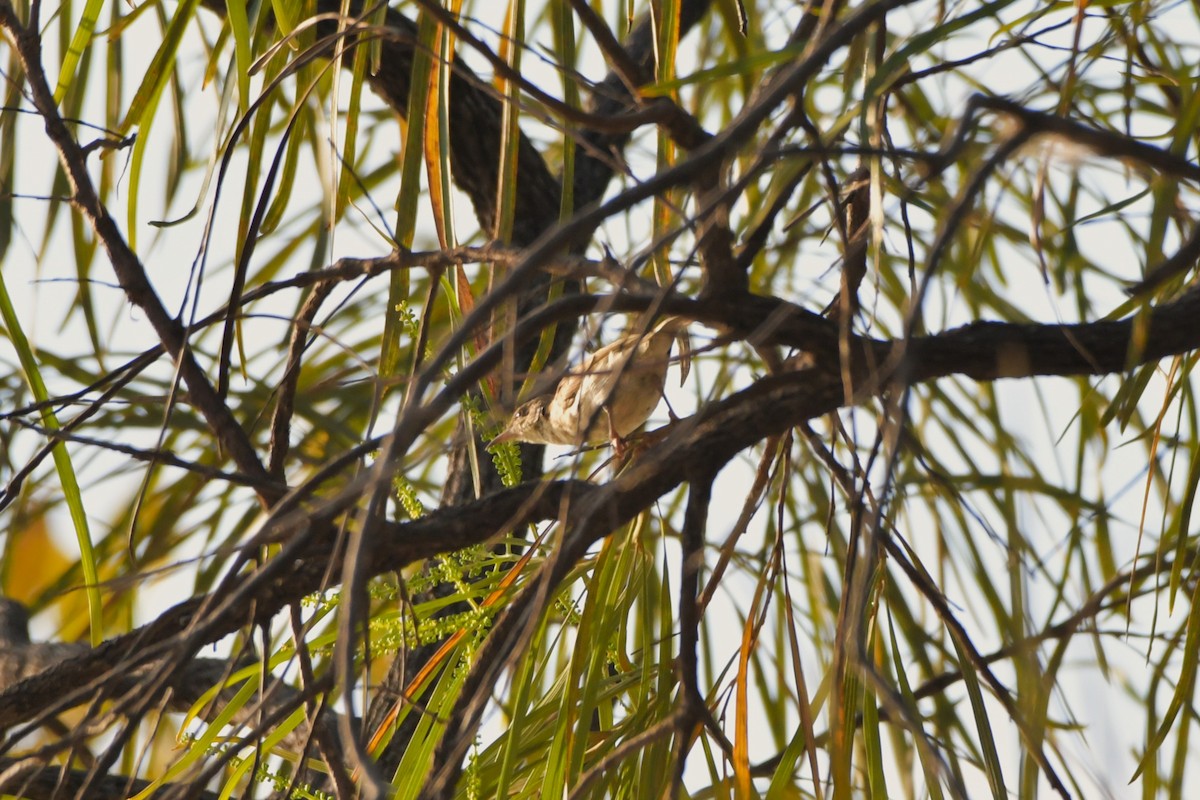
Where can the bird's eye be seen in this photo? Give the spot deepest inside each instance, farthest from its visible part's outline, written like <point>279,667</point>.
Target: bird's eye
<point>530,410</point>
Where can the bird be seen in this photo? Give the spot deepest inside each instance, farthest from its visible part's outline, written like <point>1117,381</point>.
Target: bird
<point>608,396</point>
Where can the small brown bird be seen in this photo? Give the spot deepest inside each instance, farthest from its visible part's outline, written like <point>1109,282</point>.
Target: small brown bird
<point>607,397</point>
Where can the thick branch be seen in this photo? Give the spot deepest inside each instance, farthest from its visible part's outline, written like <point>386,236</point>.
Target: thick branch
<point>721,430</point>
<point>21,658</point>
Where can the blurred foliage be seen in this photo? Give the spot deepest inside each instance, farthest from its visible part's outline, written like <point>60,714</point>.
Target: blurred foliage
<point>1046,523</point>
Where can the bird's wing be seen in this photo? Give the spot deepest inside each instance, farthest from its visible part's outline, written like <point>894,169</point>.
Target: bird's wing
<point>567,394</point>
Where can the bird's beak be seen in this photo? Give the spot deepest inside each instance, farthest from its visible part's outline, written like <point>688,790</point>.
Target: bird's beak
<point>506,436</point>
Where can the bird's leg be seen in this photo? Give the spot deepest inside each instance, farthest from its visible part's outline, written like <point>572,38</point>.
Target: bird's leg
<point>618,443</point>
<point>670,411</point>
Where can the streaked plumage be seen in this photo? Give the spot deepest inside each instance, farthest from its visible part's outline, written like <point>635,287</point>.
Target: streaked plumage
<point>612,392</point>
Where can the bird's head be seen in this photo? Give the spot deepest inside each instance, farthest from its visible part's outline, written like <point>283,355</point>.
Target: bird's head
<point>528,423</point>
